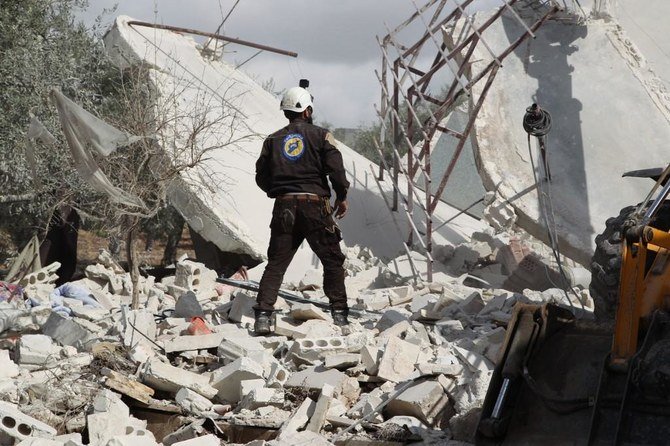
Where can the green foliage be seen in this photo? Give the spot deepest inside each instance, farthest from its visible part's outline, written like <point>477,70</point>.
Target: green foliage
<point>368,138</point>
<point>43,47</point>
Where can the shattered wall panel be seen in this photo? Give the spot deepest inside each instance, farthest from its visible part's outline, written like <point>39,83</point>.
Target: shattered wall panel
<point>595,96</point>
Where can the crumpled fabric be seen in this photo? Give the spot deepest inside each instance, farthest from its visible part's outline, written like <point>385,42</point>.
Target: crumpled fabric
<point>70,291</point>
<point>9,292</point>
<point>83,130</point>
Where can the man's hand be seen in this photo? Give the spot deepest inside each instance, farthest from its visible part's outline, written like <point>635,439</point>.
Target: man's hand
<point>340,208</point>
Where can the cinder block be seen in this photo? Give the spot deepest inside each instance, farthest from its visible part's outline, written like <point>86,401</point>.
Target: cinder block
<point>312,349</point>
<point>20,426</point>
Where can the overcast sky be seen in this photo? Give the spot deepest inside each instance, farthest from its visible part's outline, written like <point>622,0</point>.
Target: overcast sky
<point>335,41</point>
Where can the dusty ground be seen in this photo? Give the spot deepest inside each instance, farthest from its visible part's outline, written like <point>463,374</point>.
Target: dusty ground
<point>89,244</point>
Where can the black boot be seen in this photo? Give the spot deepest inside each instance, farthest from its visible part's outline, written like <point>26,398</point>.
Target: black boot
<point>340,317</point>
<point>263,323</point>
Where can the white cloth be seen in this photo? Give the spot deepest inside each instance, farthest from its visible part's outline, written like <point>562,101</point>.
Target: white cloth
<point>81,130</point>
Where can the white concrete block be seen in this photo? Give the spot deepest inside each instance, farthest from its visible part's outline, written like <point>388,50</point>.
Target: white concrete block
<point>232,348</point>
<point>305,311</point>
<point>226,380</point>
<point>20,426</point>
<point>136,322</point>
<point>263,397</point>
<point>165,377</point>
<point>313,279</point>
<point>398,360</point>
<point>188,343</point>
<point>342,361</point>
<point>250,384</point>
<point>321,410</point>
<point>312,349</point>
<point>299,417</point>
<point>8,368</point>
<point>37,350</point>
<point>391,317</point>
<point>242,309</point>
<point>370,357</point>
<point>192,402</point>
<point>313,378</point>
<point>424,400</point>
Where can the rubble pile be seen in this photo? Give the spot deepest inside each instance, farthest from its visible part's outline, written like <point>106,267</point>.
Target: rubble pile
<point>78,366</point>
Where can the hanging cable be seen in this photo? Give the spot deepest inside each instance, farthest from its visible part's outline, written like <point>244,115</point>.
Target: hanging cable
<point>537,123</point>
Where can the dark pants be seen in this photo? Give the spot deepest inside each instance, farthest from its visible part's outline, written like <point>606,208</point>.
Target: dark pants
<point>293,221</point>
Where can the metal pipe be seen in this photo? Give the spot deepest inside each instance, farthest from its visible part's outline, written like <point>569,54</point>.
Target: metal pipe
<point>656,204</point>
<point>214,36</point>
<point>501,399</point>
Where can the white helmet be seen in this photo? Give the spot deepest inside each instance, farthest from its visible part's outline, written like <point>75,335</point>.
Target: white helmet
<point>296,99</point>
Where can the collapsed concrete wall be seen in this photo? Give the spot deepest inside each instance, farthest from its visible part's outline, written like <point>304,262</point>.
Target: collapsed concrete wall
<point>232,212</point>
<point>609,116</point>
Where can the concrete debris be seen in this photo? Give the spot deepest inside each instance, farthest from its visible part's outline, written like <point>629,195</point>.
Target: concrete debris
<point>423,354</point>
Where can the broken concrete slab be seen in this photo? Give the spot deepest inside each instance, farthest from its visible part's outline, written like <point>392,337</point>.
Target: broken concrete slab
<point>226,380</point>
<point>398,360</point>
<point>232,348</point>
<point>299,417</point>
<point>307,311</point>
<point>321,410</point>
<point>263,397</point>
<point>171,379</point>
<point>189,343</point>
<point>424,400</point>
<point>37,350</point>
<point>192,402</point>
<point>69,331</point>
<point>313,378</point>
<point>188,306</point>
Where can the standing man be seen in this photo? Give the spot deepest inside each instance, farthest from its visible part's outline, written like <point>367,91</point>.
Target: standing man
<point>293,168</point>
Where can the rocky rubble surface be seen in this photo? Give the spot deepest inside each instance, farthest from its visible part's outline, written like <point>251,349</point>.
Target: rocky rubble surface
<point>78,366</point>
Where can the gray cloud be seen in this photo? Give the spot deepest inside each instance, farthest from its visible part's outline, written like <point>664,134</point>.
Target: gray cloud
<point>335,41</point>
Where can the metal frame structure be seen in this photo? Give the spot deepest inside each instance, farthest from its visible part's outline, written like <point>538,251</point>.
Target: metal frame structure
<point>453,36</point>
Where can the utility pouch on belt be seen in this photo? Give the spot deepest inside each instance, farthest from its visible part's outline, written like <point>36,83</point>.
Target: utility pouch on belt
<point>327,208</point>
<point>287,220</point>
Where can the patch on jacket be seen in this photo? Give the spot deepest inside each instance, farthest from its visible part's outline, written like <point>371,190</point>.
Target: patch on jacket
<point>293,146</point>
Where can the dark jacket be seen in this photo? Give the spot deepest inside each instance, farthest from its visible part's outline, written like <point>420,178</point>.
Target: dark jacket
<point>299,158</point>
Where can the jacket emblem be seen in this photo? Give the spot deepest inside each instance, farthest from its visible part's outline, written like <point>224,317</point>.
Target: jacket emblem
<point>293,146</point>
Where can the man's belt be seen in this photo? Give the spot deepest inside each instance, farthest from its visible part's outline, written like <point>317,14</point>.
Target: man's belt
<point>300,197</point>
